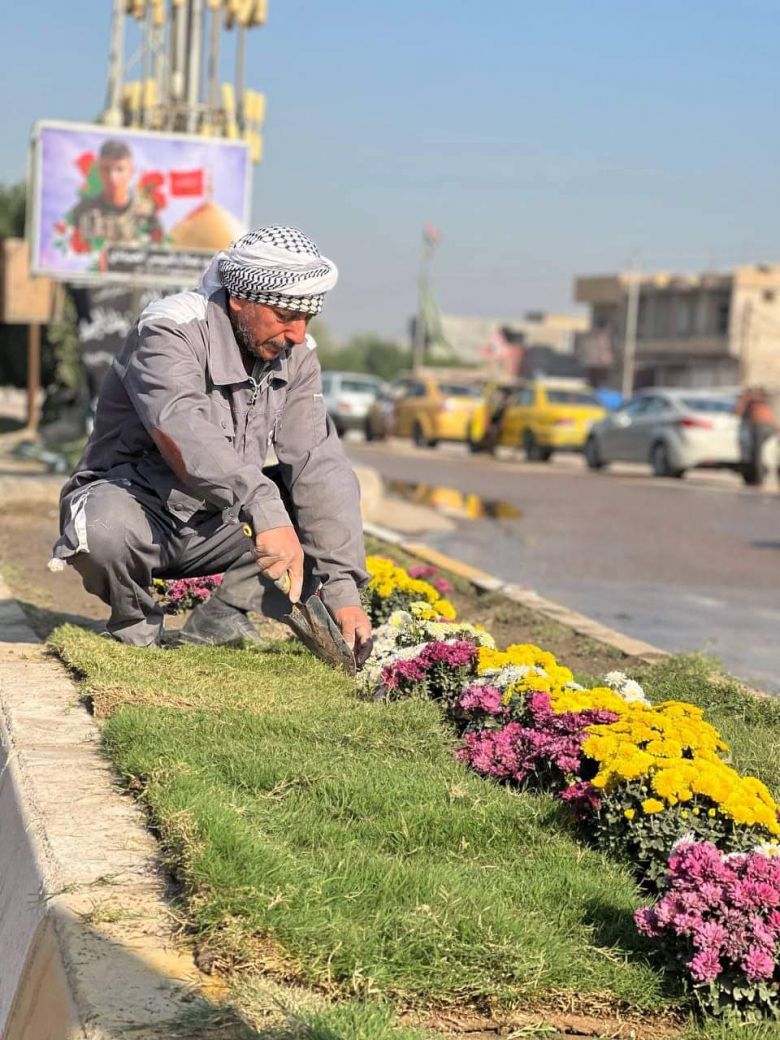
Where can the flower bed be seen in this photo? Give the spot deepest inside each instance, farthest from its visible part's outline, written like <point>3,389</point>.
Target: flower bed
<point>393,588</point>
<point>647,781</point>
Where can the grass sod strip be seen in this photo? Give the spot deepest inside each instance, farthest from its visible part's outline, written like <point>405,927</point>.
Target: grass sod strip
<point>347,834</point>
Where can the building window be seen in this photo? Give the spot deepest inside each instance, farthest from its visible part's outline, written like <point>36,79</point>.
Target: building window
<point>683,316</point>
<point>769,296</point>
<point>723,318</point>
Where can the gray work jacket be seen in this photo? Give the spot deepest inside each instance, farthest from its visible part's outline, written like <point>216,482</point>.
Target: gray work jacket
<point>179,415</point>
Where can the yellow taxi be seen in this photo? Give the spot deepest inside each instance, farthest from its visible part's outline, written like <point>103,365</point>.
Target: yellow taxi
<point>541,416</point>
<point>435,409</point>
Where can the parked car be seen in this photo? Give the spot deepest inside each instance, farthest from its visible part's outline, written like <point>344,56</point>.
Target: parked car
<point>380,417</point>
<point>545,415</point>
<point>425,408</point>
<point>433,410</point>
<point>348,397</point>
<point>673,430</point>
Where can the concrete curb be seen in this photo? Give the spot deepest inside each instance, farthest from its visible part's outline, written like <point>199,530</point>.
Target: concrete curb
<point>86,945</point>
<point>525,597</point>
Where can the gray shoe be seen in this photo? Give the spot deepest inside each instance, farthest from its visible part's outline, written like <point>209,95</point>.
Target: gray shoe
<point>215,623</point>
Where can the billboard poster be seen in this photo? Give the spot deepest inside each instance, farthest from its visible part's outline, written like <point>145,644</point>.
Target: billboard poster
<point>111,204</point>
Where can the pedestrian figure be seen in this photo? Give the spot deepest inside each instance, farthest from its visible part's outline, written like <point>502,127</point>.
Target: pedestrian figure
<point>757,430</point>
<point>207,383</point>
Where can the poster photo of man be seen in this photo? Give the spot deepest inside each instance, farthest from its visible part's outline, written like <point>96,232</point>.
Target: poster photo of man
<point>113,204</point>
<point>111,209</point>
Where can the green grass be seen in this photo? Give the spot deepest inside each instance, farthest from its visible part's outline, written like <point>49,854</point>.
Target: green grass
<point>341,843</point>
<point>338,843</point>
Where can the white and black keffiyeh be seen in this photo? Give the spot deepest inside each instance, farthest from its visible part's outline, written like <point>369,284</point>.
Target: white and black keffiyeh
<point>275,265</point>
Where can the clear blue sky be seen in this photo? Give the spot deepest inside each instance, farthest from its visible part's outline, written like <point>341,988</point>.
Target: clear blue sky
<point>545,139</point>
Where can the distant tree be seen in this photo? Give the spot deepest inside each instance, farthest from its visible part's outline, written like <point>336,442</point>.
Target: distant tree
<point>13,206</point>
<point>381,357</point>
<point>366,352</point>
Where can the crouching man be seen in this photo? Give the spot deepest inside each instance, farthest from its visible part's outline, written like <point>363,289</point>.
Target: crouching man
<point>207,382</point>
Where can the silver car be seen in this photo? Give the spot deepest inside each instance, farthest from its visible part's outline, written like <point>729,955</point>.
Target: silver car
<point>348,396</point>
<point>671,429</point>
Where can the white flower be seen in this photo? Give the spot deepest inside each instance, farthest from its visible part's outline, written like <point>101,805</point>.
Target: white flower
<point>689,838</point>
<point>771,849</point>
<point>628,689</point>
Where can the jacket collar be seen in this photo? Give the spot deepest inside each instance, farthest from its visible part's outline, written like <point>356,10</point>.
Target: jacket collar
<point>226,365</point>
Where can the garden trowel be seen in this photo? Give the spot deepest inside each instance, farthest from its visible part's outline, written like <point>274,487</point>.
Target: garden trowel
<point>316,629</point>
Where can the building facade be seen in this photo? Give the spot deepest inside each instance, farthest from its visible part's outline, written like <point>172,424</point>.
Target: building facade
<point>706,330</point>
<point>504,342</point>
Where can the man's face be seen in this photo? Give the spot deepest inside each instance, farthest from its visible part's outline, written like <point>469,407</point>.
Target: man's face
<point>116,175</point>
<point>266,332</point>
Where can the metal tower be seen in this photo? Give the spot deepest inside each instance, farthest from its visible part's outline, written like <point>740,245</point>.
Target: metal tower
<point>176,84</point>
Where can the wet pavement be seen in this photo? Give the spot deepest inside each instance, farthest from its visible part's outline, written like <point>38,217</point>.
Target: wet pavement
<point>687,565</point>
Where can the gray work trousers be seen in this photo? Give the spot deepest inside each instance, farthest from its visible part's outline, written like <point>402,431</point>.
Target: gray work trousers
<point>131,539</point>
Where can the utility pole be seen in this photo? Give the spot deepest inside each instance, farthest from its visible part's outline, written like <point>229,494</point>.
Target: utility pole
<point>113,113</point>
<point>629,340</point>
<point>431,238</point>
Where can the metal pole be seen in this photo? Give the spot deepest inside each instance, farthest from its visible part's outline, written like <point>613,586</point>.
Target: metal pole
<point>179,33</point>
<point>240,75</point>
<point>113,113</point>
<point>194,64</point>
<point>214,64</point>
<point>33,375</point>
<point>146,63</point>
<point>629,342</point>
<point>418,347</point>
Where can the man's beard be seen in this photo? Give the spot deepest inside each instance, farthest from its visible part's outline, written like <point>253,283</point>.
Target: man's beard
<point>246,340</point>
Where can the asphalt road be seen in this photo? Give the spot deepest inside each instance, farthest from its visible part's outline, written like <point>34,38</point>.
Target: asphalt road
<point>686,565</point>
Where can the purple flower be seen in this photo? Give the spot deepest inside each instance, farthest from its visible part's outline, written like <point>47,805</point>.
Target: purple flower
<point>421,570</point>
<point>493,752</point>
<point>710,935</point>
<point>646,922</point>
<point>758,964</point>
<point>485,699</point>
<point>705,966</point>
<point>583,798</point>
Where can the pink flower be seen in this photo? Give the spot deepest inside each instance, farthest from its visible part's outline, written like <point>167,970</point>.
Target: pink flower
<point>705,966</point>
<point>710,935</point>
<point>758,964</point>
<point>646,922</point>
<point>583,798</point>
<point>485,699</point>
<point>421,571</point>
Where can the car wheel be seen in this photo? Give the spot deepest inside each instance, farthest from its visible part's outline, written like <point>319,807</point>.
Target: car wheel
<point>593,456</point>
<point>659,460</point>
<point>534,452</point>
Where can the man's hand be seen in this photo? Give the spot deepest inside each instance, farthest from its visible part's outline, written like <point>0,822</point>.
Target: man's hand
<point>356,629</point>
<point>278,551</point>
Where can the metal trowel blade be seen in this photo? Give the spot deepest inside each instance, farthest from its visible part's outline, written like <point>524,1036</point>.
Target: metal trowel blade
<point>320,634</point>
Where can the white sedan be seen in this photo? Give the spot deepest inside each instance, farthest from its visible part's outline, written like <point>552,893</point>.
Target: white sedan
<point>671,429</point>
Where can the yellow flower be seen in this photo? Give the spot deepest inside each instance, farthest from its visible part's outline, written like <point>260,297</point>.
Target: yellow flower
<point>629,814</point>
<point>711,812</point>
<point>652,805</point>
